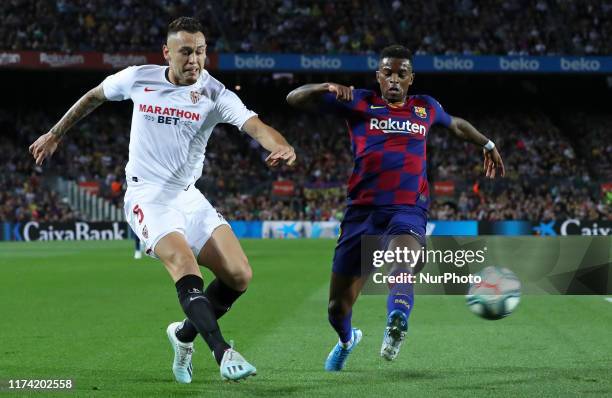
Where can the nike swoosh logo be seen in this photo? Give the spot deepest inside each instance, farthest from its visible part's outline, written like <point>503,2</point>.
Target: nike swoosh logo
<point>376,107</point>
<point>414,233</point>
<point>195,298</point>
<point>147,89</point>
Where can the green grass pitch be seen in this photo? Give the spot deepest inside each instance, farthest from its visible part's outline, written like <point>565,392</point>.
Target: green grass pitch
<point>89,312</point>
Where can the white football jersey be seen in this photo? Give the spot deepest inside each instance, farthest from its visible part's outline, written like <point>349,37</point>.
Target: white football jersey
<point>171,124</point>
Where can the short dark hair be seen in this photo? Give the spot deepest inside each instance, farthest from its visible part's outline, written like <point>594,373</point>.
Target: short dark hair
<point>396,51</point>
<point>186,24</point>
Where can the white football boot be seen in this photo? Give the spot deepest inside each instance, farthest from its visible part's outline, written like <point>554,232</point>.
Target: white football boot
<point>234,366</point>
<point>395,334</point>
<point>181,366</point>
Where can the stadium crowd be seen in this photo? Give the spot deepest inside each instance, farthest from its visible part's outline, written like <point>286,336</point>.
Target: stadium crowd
<point>22,196</point>
<point>595,143</point>
<point>93,25</point>
<point>95,153</point>
<point>545,178</point>
<point>504,27</point>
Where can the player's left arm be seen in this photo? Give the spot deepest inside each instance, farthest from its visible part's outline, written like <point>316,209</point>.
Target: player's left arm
<point>464,130</point>
<point>269,138</point>
<point>493,162</point>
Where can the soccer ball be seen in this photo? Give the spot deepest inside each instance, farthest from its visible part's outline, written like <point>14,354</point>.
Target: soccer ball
<point>496,295</point>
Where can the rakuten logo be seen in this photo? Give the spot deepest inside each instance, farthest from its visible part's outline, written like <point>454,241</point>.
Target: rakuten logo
<point>397,126</point>
<point>123,60</point>
<point>9,58</point>
<point>519,64</point>
<point>60,59</point>
<point>580,65</point>
<point>321,62</point>
<point>253,62</point>
<point>454,63</point>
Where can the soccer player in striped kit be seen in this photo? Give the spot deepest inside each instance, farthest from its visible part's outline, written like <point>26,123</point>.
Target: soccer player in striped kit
<point>388,193</point>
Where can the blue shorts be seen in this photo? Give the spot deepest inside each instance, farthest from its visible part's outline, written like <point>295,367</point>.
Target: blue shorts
<point>382,221</point>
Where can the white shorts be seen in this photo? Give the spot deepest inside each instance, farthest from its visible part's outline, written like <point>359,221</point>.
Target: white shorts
<point>153,212</point>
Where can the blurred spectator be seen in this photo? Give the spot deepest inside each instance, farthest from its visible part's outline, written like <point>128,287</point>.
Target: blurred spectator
<point>94,25</point>
<point>505,27</point>
<point>548,176</point>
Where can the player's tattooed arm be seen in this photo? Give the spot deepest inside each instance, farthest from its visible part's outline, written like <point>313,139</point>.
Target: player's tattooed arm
<point>308,97</point>
<point>493,162</point>
<point>47,143</point>
<point>269,138</point>
<point>83,107</point>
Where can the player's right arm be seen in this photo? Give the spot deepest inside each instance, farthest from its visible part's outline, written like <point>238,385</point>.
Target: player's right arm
<point>116,87</point>
<point>310,96</point>
<point>47,143</point>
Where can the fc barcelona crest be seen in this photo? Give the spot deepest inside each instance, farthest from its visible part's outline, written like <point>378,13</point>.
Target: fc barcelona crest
<point>195,97</point>
<point>420,112</point>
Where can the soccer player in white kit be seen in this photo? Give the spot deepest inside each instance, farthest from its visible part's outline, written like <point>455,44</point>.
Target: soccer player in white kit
<point>175,110</point>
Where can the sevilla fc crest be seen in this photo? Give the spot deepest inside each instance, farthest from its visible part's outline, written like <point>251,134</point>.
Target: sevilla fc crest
<point>420,112</point>
<point>145,232</point>
<point>195,97</point>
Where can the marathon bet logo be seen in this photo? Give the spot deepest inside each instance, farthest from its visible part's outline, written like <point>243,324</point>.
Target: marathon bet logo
<point>391,126</point>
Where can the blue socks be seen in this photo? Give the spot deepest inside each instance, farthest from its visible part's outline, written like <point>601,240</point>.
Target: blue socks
<point>342,326</point>
<point>401,296</point>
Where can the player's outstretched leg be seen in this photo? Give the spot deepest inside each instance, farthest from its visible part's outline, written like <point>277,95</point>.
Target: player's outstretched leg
<point>400,300</point>
<point>224,256</point>
<point>181,366</point>
<point>344,291</point>
<point>176,255</point>
<point>399,305</point>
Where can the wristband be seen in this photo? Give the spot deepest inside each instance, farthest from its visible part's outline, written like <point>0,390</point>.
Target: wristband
<point>489,145</point>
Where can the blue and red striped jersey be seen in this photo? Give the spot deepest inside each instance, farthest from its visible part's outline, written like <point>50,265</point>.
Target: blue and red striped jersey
<point>389,147</point>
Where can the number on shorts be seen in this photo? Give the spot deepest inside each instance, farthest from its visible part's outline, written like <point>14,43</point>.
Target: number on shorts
<point>138,211</point>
